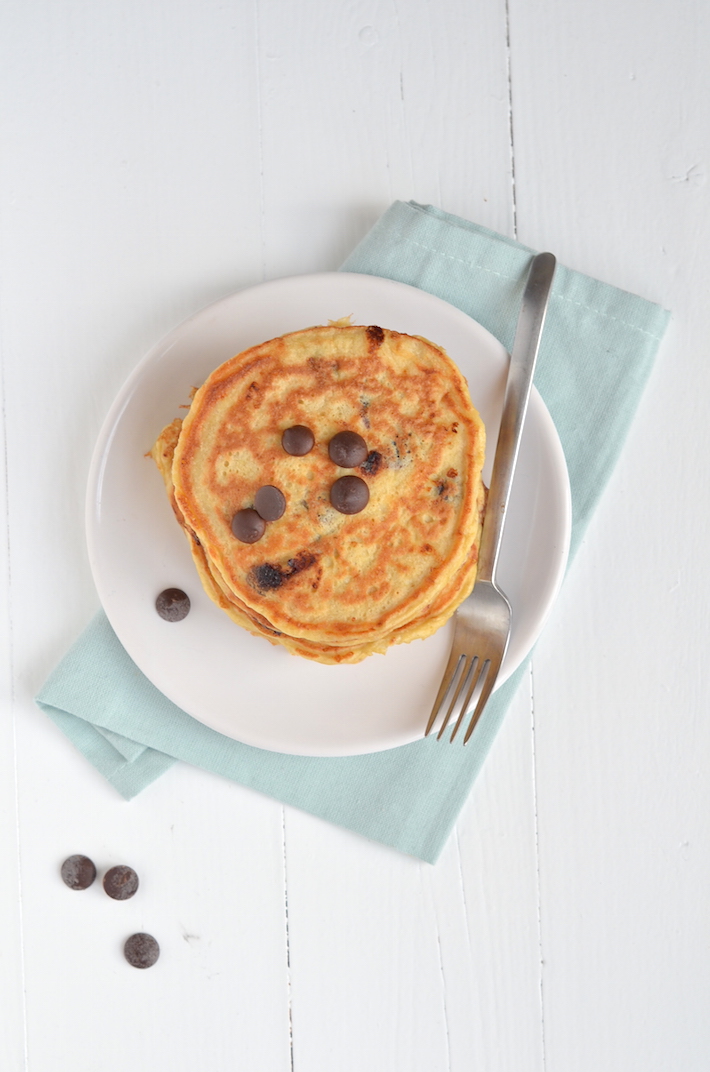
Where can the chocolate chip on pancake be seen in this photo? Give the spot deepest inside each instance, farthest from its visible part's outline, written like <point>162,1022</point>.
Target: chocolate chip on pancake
<point>269,503</point>
<point>347,449</point>
<point>372,463</point>
<point>349,494</point>
<point>298,440</point>
<point>267,577</point>
<point>248,526</point>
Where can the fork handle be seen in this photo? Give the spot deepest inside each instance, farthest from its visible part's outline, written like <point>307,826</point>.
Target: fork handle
<point>517,392</point>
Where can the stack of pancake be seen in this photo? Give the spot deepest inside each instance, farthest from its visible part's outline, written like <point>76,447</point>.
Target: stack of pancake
<point>334,570</point>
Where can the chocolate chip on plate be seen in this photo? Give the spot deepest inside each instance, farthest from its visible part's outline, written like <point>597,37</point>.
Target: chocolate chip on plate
<point>120,882</point>
<point>141,950</point>
<point>298,440</point>
<point>173,605</point>
<point>78,872</point>
<point>269,503</point>
<point>349,494</point>
<point>347,449</point>
<point>248,526</point>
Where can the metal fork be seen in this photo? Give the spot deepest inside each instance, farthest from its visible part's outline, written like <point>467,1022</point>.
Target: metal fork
<point>482,622</point>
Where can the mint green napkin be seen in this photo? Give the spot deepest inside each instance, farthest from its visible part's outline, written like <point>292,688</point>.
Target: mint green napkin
<point>596,355</point>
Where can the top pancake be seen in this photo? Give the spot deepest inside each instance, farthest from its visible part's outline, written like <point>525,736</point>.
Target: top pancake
<point>317,574</point>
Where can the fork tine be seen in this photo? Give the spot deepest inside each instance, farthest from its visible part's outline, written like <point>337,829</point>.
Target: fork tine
<point>476,680</point>
<point>468,668</point>
<point>452,668</point>
<point>466,673</point>
<point>482,701</point>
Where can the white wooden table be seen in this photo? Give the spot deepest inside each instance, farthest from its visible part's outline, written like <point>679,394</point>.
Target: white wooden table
<point>158,155</point>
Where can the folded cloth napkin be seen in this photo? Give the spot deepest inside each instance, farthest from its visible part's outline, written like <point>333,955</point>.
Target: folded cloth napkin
<point>596,355</point>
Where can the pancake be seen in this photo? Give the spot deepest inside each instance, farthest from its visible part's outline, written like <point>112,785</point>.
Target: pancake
<point>459,587</point>
<point>329,585</point>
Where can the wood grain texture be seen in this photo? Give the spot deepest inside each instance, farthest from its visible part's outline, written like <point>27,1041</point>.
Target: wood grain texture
<point>622,741</point>
<point>364,103</point>
<point>157,156</point>
<point>12,1022</point>
<point>390,964</point>
<point>396,964</point>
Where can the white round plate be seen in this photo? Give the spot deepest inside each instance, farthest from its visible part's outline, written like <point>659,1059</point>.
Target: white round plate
<point>241,685</point>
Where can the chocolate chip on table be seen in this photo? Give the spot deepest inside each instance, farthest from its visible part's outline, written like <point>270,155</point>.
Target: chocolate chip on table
<point>347,449</point>
<point>141,950</point>
<point>298,440</point>
<point>269,503</point>
<point>173,605</point>
<point>248,526</point>
<point>78,872</point>
<point>120,882</point>
<point>349,494</point>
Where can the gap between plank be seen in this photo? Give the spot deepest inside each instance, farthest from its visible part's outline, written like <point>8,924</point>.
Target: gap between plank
<point>541,959</point>
<point>425,883</point>
<point>288,937</point>
<point>259,119</point>
<point>510,118</point>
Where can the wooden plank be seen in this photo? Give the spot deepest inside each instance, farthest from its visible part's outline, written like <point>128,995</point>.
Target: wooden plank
<point>369,102</point>
<point>12,1022</point>
<point>611,155</point>
<point>395,964</point>
<point>133,139</point>
<point>214,903</point>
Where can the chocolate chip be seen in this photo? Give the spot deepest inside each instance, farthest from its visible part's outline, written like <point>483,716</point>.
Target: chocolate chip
<point>120,882</point>
<point>247,526</point>
<point>372,463</point>
<point>269,503</point>
<point>302,561</point>
<point>78,872</point>
<point>173,605</point>
<point>347,449</point>
<point>298,440</point>
<point>141,950</point>
<point>349,495</point>
<point>267,577</point>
